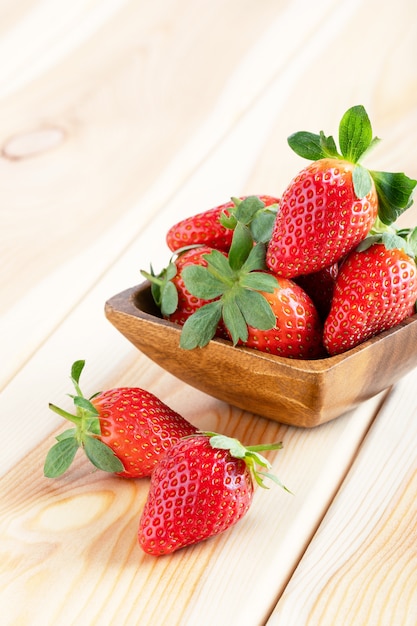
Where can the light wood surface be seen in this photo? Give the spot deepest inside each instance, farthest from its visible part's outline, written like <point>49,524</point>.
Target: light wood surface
<point>117,119</point>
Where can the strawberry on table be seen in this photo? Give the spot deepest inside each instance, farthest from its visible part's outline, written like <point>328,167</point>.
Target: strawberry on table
<point>124,431</point>
<point>214,227</point>
<point>376,289</point>
<point>332,204</point>
<point>200,488</point>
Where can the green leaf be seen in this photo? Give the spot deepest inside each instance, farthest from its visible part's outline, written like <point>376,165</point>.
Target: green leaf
<point>242,244</point>
<point>218,266</point>
<point>60,457</point>
<point>255,309</point>
<point>76,370</point>
<point>201,326</point>
<point>248,208</point>
<point>170,271</point>
<point>395,192</point>
<point>412,242</point>
<point>362,181</point>
<point>262,225</point>
<point>306,145</point>
<point>260,281</point>
<point>201,283</point>
<point>92,425</point>
<point>234,321</point>
<point>393,241</point>
<point>169,298</point>
<point>85,404</point>
<point>222,442</point>
<point>228,221</point>
<point>255,260</point>
<point>328,146</point>
<point>102,456</point>
<point>70,432</point>
<point>156,293</point>
<point>368,242</point>
<point>355,133</point>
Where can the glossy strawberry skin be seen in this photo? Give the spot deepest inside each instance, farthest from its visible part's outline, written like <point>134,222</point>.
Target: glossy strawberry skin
<point>298,330</point>
<point>196,492</point>
<point>320,219</point>
<point>187,303</point>
<point>375,290</point>
<point>205,228</point>
<point>138,427</point>
<point>320,287</point>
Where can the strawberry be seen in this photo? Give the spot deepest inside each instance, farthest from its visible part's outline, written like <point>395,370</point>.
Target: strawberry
<point>123,430</point>
<point>376,289</point>
<point>221,291</point>
<point>175,301</point>
<point>320,287</point>
<point>214,227</point>
<point>187,303</point>
<point>200,488</point>
<point>298,329</point>
<point>332,204</point>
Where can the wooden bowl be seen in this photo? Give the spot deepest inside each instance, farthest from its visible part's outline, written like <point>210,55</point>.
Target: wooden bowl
<point>289,391</point>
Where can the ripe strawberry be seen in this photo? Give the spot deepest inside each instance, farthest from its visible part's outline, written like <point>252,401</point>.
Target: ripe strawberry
<point>320,287</point>
<point>298,331</point>
<point>187,303</point>
<point>200,488</point>
<point>171,295</point>
<point>209,227</point>
<point>124,430</point>
<point>376,288</point>
<point>221,291</point>
<point>331,205</point>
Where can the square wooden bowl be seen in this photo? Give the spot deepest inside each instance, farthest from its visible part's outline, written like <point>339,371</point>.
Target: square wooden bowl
<point>289,391</point>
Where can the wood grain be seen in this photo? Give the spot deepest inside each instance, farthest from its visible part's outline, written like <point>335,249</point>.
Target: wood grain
<point>360,567</point>
<point>304,393</point>
<point>119,117</point>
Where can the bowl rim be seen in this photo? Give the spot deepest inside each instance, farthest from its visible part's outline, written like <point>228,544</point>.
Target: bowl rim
<point>130,297</point>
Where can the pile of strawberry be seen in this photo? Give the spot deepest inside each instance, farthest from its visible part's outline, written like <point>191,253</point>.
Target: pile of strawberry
<point>201,484</point>
<point>307,275</point>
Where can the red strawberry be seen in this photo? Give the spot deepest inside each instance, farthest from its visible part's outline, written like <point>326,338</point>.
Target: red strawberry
<point>187,303</point>
<point>124,430</point>
<point>298,330</point>
<point>171,295</point>
<point>320,287</point>
<point>200,488</point>
<point>208,228</point>
<point>376,288</point>
<point>331,205</point>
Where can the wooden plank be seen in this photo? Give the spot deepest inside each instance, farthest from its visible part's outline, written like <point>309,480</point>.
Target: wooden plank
<point>73,540</point>
<point>52,162</point>
<point>360,567</point>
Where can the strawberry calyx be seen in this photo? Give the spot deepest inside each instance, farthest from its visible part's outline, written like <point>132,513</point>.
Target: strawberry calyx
<point>249,454</point>
<point>164,291</point>
<point>394,190</point>
<point>253,213</point>
<point>233,285</point>
<point>84,435</point>
<point>393,238</point>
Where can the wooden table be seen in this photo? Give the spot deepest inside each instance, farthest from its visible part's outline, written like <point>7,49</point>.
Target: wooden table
<point>117,119</point>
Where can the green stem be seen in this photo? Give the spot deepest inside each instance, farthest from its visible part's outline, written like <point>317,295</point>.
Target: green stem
<point>264,447</point>
<point>69,416</point>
